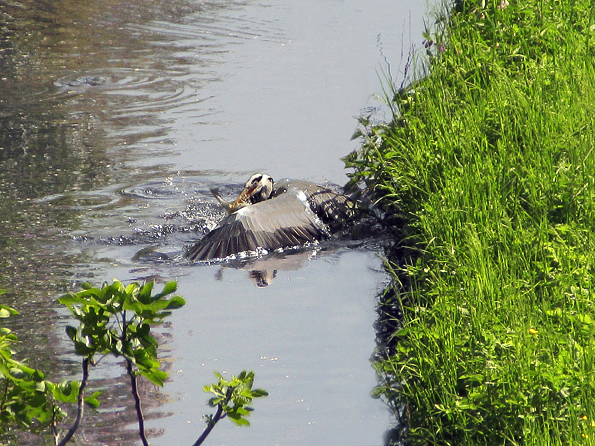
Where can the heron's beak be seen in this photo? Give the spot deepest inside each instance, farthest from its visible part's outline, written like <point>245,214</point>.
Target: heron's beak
<point>243,199</point>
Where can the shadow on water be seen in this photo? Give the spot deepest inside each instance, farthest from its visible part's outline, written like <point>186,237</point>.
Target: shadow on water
<point>113,128</point>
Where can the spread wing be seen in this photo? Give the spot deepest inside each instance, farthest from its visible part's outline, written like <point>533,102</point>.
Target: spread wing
<point>334,208</point>
<point>286,220</point>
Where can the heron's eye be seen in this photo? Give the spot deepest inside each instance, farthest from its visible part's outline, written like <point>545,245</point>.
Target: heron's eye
<point>257,179</point>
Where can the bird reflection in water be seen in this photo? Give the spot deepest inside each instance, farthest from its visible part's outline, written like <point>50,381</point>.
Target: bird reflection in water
<point>263,278</point>
<point>263,271</point>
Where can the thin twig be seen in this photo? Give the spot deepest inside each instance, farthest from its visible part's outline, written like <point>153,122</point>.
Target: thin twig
<point>218,416</point>
<point>55,428</point>
<point>139,411</point>
<point>134,388</point>
<point>4,393</point>
<point>81,406</point>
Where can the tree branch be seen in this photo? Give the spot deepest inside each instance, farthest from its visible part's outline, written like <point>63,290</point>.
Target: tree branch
<point>81,406</point>
<point>137,406</point>
<point>218,416</point>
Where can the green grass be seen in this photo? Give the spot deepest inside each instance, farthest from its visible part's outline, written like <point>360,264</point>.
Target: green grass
<point>490,164</point>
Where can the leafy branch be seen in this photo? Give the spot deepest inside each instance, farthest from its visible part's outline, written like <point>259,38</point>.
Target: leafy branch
<point>113,320</point>
<point>25,395</point>
<point>231,400</point>
<point>117,320</point>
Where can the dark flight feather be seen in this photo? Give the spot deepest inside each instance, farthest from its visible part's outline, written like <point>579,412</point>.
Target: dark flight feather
<point>297,212</point>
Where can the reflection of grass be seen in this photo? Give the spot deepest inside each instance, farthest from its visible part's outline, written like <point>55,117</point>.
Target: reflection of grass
<point>490,166</point>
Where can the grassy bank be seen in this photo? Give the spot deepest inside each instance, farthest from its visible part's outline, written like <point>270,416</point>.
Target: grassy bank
<point>490,166</point>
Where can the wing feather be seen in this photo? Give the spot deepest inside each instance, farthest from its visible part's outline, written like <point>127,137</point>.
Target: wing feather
<point>334,208</point>
<point>284,221</point>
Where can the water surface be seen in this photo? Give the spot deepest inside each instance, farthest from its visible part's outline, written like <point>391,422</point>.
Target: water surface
<point>116,119</point>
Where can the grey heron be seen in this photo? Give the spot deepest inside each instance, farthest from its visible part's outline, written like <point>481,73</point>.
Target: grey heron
<point>268,215</point>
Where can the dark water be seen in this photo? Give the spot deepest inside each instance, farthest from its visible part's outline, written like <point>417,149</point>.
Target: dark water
<point>115,120</point>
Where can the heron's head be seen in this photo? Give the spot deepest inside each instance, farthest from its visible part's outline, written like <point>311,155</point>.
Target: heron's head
<point>259,187</point>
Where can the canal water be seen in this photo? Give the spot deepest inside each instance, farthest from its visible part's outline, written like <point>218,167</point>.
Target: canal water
<point>116,118</point>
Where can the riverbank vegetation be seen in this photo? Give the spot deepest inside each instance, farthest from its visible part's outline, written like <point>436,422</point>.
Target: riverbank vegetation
<point>489,168</point>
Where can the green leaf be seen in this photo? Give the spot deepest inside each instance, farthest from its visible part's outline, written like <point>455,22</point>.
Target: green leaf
<point>259,393</point>
<point>170,287</point>
<point>6,311</point>
<point>71,332</point>
<point>66,392</point>
<point>176,302</point>
<point>157,377</point>
<point>92,400</point>
<point>82,350</point>
<point>240,421</point>
<point>144,295</point>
